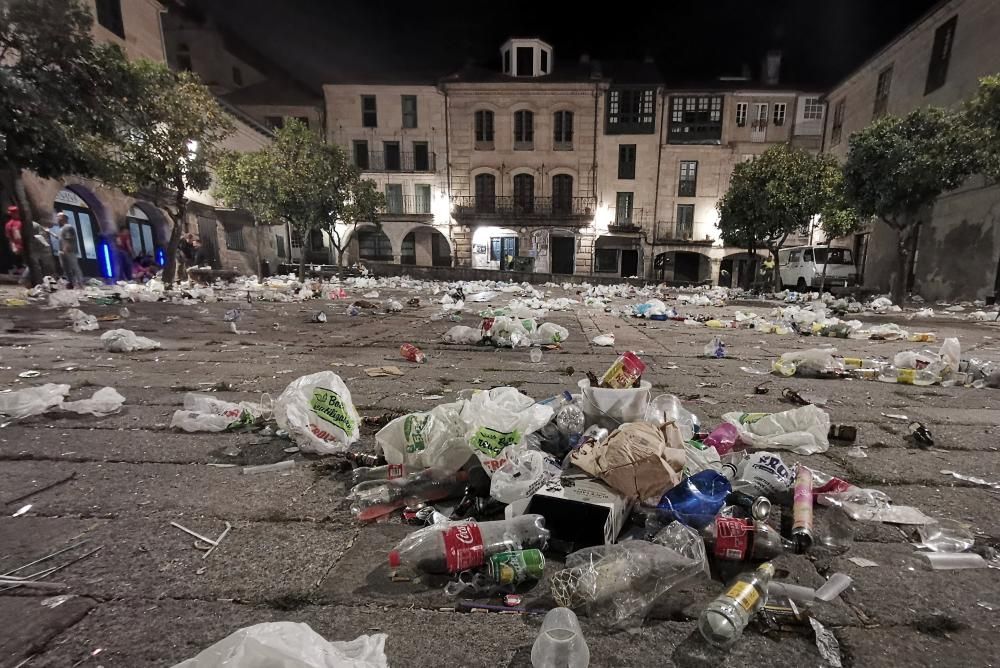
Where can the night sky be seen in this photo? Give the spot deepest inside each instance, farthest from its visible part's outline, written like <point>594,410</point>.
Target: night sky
<point>337,40</point>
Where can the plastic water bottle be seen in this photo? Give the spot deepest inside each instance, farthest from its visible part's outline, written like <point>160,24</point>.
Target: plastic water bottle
<point>723,621</point>
<point>920,377</point>
<point>460,547</point>
<point>697,499</point>
<point>375,498</point>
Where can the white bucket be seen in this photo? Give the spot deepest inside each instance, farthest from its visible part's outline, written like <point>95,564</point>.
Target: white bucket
<point>610,407</point>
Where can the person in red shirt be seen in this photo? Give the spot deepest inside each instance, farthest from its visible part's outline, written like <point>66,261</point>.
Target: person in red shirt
<point>123,242</point>
<point>13,232</point>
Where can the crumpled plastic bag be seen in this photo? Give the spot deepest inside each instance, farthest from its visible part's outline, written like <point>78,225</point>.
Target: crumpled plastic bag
<point>317,412</point>
<point>126,341</point>
<point>203,412</point>
<point>289,645</point>
<point>433,439</point>
<point>500,418</point>
<point>64,298</point>
<point>802,430</point>
<point>550,332</point>
<point>881,304</point>
<point>522,474</point>
<point>619,584</point>
<point>105,401</point>
<point>603,340</point>
<point>460,334</point>
<point>32,400</point>
<point>888,332</point>
<point>810,363</point>
<point>510,333</point>
<point>393,306</point>
<point>80,321</point>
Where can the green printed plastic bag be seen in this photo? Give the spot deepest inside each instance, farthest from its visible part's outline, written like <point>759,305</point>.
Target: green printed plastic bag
<point>317,412</point>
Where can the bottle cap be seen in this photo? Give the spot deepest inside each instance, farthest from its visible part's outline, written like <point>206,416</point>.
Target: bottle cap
<point>394,560</point>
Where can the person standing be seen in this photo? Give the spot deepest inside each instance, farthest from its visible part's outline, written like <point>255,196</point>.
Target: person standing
<point>123,244</point>
<point>55,230</point>
<point>69,252</point>
<point>12,230</point>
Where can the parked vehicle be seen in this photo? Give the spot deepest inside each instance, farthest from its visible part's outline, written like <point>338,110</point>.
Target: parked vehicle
<point>802,266</point>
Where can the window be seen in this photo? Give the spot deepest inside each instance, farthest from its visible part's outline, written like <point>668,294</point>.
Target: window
<point>391,156</point>
<point>524,193</point>
<point>484,129</point>
<point>393,198</point>
<point>525,61</point>
<point>687,184</point>
<point>685,221</point>
<point>374,245</point>
<point>623,208</point>
<point>279,244</point>
<point>506,61</point>
<point>408,250</point>
<point>695,120</point>
<point>184,57</point>
<point>882,92</point>
<point>779,113</point>
<point>409,111</point>
<point>486,193</point>
<point>838,122</point>
<point>235,240</point>
<point>421,157</point>
<point>423,198</point>
<point>304,120</point>
<point>794,256</point>
<point>545,61</point>
<point>631,111</point>
<point>109,15</point>
<point>274,122</point>
<point>237,76</point>
<point>812,109</point>
<point>937,69</point>
<point>562,122</point>
<point>361,154</point>
<point>369,113</point>
<point>626,161</point>
<point>808,255</point>
<point>741,114</point>
<point>562,193</point>
<point>837,256</point>
<point>606,260</point>
<point>524,130</point>
<point>296,239</point>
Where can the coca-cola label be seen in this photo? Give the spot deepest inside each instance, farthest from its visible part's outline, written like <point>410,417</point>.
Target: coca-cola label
<point>732,538</point>
<point>394,471</point>
<point>832,486</point>
<point>463,548</point>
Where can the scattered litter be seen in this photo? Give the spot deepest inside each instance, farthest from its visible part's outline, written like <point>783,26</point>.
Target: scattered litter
<point>896,416</point>
<point>22,510</point>
<point>604,340</point>
<point>972,479</point>
<point>317,412</point>
<point>126,341</point>
<point>105,401</point>
<point>269,468</point>
<point>29,374</point>
<point>382,371</point>
<point>826,643</point>
<point>862,562</point>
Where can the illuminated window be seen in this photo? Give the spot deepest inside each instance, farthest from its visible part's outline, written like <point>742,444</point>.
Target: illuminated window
<point>685,221</point>
<point>631,111</point>
<point>687,184</point>
<point>741,114</point>
<point>695,120</point>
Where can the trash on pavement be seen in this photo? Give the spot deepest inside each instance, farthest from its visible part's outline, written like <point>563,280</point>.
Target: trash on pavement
<point>32,400</point>
<point>289,645</point>
<point>967,478</point>
<point>411,353</point>
<point>269,468</point>
<point>435,439</point>
<point>802,430</point>
<point>560,642</point>
<point>949,561</point>
<point>317,412</point>
<point>603,340</point>
<point>723,621</point>
<point>105,401</point>
<point>80,321</point>
<point>126,341</point>
<point>383,371</point>
<point>203,412</point>
<point>714,348</point>
<point>581,511</point>
<point>462,335</point>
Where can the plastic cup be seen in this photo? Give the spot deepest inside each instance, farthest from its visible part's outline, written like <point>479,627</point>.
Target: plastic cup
<point>560,643</point>
<point>536,355</point>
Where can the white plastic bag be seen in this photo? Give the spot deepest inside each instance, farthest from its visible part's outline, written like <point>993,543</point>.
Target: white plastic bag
<point>64,298</point>
<point>317,411</point>
<point>499,418</point>
<point>125,341</point>
<point>460,334</point>
<point>289,645</point>
<point>610,407</point>
<point>604,340</point>
<point>509,333</point>
<point>802,430</point>
<point>32,400</point>
<point>80,321</point>
<point>104,402</point>
<point>550,332</point>
<point>523,474</point>
<point>393,306</point>
<point>203,412</point>
<point>435,439</point>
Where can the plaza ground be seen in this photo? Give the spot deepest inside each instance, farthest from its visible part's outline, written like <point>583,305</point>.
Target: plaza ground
<point>147,598</point>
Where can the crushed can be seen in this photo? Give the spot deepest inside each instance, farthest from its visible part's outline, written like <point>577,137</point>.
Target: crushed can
<point>511,568</point>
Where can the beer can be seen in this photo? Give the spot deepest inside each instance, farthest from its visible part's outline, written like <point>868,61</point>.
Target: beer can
<point>515,567</point>
<point>802,510</point>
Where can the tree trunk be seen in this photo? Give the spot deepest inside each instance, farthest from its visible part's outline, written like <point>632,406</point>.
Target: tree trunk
<point>27,228</point>
<point>260,260</point>
<point>175,237</point>
<point>898,292</point>
<point>776,272</point>
<point>826,263</point>
<point>306,240</point>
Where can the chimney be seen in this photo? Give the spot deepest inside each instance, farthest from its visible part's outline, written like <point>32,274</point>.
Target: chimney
<point>771,68</point>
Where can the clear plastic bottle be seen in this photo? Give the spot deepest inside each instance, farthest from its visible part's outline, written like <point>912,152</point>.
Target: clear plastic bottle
<point>723,621</point>
<point>891,374</point>
<point>387,472</point>
<point>375,498</point>
<point>465,545</point>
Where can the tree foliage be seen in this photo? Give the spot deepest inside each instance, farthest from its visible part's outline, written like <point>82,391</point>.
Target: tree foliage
<point>897,167</point>
<point>983,114</point>
<point>775,195</point>
<point>302,181</point>
<point>166,142</point>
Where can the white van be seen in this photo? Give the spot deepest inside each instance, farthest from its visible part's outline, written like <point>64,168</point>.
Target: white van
<point>802,267</point>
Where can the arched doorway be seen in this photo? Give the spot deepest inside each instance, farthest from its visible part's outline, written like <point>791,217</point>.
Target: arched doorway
<point>494,247</point>
<point>374,245</point>
<point>147,222</point>
<point>425,247</point>
<point>92,249</point>
<point>682,267</point>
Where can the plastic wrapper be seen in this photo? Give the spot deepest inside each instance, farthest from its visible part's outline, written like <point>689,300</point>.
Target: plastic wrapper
<point>510,332</point>
<point>64,298</point>
<point>318,413</point>
<point>203,412</point>
<point>606,340</point>
<point>500,418</point>
<point>714,348</point>
<point>802,430</point>
<point>618,584</point>
<point>462,335</point>
<point>80,321</point>
<point>289,645</point>
<point>32,401</point>
<point>434,439</point>
<point>808,363</point>
<point>872,505</point>
<point>522,474</point>
<point>126,341</point>
<point>550,332</point>
<point>611,407</point>
<point>700,457</point>
<point>668,408</point>
<point>104,402</point>
<point>945,536</point>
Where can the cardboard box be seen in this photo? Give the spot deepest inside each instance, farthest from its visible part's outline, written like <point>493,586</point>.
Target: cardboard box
<point>581,511</point>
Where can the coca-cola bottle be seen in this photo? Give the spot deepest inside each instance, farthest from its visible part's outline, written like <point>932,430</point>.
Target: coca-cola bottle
<point>375,498</point>
<point>738,539</point>
<point>465,545</point>
<point>387,472</point>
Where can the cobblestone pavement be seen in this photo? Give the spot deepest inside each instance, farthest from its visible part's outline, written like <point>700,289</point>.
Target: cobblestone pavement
<point>148,598</point>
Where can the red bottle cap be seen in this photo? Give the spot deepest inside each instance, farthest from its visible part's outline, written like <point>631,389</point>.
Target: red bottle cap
<point>394,560</point>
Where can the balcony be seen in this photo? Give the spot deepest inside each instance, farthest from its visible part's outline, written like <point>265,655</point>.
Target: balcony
<point>682,233</point>
<point>406,207</point>
<point>628,221</point>
<point>382,161</point>
<point>526,211</point>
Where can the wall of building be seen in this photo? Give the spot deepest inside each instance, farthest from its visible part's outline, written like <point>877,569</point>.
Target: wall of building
<point>261,113</point>
<point>141,23</point>
<point>210,58</point>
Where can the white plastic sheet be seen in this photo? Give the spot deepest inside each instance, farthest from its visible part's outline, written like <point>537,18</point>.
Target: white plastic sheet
<point>433,439</point>
<point>203,412</point>
<point>318,413</point>
<point>80,321</point>
<point>126,341</point>
<point>460,334</point>
<point>105,401</point>
<point>289,645</point>
<point>802,430</point>
<point>32,400</point>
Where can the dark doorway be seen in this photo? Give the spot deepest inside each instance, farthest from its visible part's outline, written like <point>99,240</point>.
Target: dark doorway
<point>88,236</point>
<point>209,242</point>
<point>686,267</point>
<point>440,250</point>
<point>486,193</point>
<point>630,263</point>
<point>563,254</point>
<point>726,273</point>
<point>391,156</point>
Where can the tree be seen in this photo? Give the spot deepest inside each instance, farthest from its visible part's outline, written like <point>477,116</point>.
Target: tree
<point>166,143</point>
<point>59,92</point>
<point>983,115</point>
<point>897,167</point>
<point>302,181</point>
<point>775,195</point>
<point>838,219</point>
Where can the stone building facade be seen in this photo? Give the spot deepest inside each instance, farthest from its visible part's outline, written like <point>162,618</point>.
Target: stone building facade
<point>936,62</point>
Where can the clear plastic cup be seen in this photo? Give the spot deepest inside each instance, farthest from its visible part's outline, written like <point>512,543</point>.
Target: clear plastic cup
<point>560,643</point>
<point>536,355</point>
